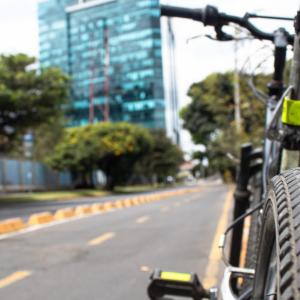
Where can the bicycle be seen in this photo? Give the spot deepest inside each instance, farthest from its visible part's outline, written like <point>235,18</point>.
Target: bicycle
<point>273,254</point>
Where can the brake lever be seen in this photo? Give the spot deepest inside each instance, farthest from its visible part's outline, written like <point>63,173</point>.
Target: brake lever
<point>223,36</point>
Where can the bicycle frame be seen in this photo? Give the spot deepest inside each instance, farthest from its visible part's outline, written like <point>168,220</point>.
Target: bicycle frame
<point>271,166</point>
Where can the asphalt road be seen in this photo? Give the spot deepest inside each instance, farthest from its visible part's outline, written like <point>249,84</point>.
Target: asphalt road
<point>109,256</point>
<point>24,210</point>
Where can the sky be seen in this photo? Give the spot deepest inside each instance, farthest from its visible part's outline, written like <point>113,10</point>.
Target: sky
<point>194,59</point>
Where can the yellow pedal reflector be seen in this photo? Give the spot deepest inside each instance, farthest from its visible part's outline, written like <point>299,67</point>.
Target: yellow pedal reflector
<point>184,277</point>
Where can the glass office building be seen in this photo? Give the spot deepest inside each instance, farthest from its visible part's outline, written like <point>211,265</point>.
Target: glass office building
<point>112,50</point>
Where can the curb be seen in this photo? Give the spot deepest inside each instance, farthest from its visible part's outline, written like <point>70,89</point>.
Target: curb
<point>11,225</point>
<point>97,207</point>
<point>127,202</point>
<point>83,210</point>
<point>108,206</point>
<point>17,224</point>
<point>118,204</point>
<point>135,201</point>
<point>41,218</point>
<point>63,214</point>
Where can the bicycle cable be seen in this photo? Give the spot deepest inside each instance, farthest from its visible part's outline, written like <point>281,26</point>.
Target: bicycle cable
<point>222,242</point>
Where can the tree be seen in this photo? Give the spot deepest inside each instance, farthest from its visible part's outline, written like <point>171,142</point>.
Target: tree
<point>124,144</point>
<point>210,117</point>
<point>28,98</point>
<point>76,153</point>
<point>112,147</point>
<point>162,160</point>
<point>47,136</point>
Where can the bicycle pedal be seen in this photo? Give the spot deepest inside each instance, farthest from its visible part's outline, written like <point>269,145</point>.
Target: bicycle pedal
<point>175,284</point>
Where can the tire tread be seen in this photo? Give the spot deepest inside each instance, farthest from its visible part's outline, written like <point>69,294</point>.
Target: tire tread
<point>287,191</point>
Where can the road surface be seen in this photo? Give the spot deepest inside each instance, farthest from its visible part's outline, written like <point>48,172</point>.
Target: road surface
<point>109,256</point>
<point>24,210</point>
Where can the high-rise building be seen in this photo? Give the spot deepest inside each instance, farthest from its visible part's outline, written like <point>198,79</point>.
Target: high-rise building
<point>112,50</point>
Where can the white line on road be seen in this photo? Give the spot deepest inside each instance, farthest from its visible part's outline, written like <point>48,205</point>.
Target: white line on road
<point>101,239</point>
<point>142,220</point>
<point>55,223</point>
<point>17,276</point>
<point>52,224</point>
<point>177,204</point>
<point>145,269</point>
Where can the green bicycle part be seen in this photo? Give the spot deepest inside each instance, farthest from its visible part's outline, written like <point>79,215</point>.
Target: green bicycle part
<point>291,112</point>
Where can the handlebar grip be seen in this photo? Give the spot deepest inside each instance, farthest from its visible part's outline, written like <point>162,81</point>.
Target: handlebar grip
<point>180,12</point>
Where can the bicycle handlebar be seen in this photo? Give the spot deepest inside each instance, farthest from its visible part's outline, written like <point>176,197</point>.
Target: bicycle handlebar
<point>210,16</point>
<point>180,12</point>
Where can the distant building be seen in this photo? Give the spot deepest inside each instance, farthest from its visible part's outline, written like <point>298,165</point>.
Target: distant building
<point>112,49</point>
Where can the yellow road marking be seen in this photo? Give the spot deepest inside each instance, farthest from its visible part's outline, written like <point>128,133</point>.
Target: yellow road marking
<point>101,239</point>
<point>212,269</point>
<point>142,220</point>
<point>165,209</point>
<point>17,276</point>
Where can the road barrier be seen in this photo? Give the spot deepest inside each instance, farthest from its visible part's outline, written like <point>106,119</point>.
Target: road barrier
<point>83,210</point>
<point>42,218</point>
<point>118,204</point>
<point>97,207</point>
<point>17,224</point>
<point>127,202</point>
<point>135,201</point>
<point>108,206</point>
<point>11,225</point>
<point>63,214</point>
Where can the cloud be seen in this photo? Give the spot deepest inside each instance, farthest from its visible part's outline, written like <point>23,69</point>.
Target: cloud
<point>19,27</point>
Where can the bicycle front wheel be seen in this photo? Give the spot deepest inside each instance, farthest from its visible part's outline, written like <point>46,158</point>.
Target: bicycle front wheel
<point>277,274</point>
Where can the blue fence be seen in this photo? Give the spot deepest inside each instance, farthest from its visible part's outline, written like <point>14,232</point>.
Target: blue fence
<point>24,175</point>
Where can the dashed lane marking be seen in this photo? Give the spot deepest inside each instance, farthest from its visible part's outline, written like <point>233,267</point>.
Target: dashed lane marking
<point>145,269</point>
<point>70,218</point>
<point>49,225</point>
<point>101,239</point>
<point>212,269</point>
<point>142,220</point>
<point>17,276</point>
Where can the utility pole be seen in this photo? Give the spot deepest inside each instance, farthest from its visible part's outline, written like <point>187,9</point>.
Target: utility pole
<point>106,73</point>
<point>236,80</point>
<point>91,104</point>
<point>92,78</point>
<point>105,108</point>
<point>173,83</point>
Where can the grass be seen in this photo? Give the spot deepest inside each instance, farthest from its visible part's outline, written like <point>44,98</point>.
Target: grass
<point>73,194</point>
<point>140,188</point>
<point>50,196</point>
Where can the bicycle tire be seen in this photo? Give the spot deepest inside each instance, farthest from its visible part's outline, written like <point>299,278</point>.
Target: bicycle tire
<point>280,234</point>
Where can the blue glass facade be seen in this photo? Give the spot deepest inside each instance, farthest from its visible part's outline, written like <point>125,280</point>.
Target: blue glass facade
<point>112,51</point>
